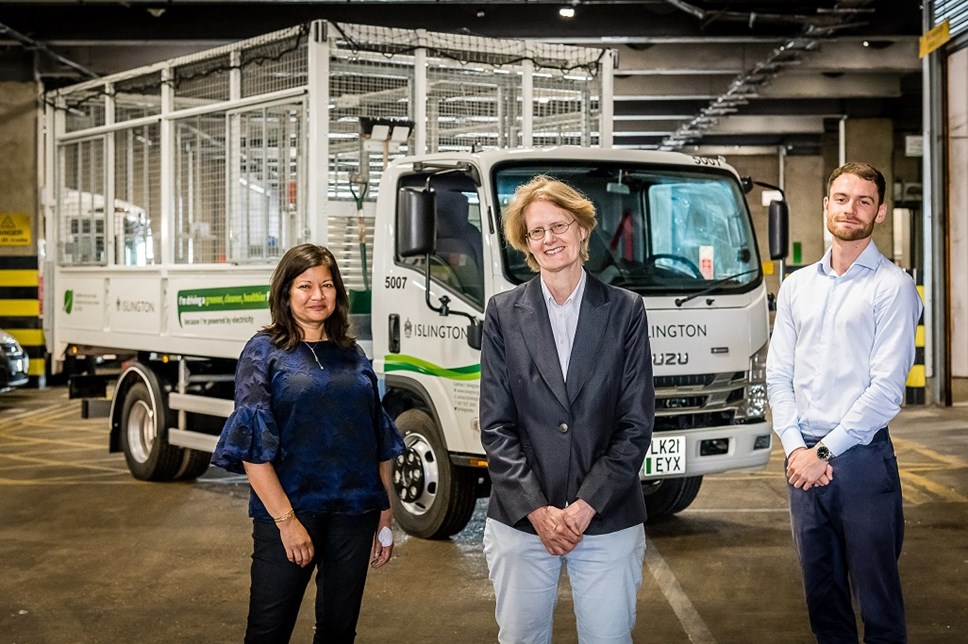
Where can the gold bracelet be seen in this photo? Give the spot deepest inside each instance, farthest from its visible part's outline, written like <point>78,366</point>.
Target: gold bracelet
<point>286,516</point>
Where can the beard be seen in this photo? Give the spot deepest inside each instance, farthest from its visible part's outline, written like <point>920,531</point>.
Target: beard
<point>849,234</point>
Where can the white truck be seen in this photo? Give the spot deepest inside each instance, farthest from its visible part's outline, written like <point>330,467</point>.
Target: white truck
<point>223,159</point>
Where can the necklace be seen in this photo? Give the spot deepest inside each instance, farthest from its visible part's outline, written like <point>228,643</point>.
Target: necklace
<point>314,355</point>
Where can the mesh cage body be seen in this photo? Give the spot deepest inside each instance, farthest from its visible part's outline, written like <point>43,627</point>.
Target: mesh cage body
<point>239,119</point>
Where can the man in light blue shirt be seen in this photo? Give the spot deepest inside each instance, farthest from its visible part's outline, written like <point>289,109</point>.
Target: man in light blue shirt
<point>842,346</point>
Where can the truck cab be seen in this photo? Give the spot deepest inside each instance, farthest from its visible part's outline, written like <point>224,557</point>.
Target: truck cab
<point>673,228</point>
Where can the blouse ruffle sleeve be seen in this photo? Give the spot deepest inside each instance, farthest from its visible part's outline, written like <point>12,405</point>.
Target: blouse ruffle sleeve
<point>390,440</point>
<point>388,437</point>
<point>250,433</point>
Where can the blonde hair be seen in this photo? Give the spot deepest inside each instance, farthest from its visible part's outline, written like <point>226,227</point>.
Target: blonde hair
<point>545,188</point>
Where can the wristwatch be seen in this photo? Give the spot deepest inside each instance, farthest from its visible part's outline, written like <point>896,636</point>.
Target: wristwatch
<point>823,452</point>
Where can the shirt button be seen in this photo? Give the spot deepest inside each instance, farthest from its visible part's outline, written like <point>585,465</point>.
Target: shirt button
<point>563,428</point>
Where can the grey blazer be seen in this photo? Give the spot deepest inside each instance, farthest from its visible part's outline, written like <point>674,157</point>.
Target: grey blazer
<point>548,442</point>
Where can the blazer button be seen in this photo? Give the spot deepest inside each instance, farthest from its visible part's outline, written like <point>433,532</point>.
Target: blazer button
<point>563,428</point>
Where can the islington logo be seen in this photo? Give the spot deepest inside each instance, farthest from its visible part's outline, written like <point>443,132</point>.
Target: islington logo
<point>433,331</point>
<point>68,301</point>
<point>135,306</point>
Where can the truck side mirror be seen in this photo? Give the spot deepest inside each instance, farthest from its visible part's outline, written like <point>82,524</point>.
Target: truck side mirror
<point>475,332</point>
<point>779,233</point>
<point>416,222</point>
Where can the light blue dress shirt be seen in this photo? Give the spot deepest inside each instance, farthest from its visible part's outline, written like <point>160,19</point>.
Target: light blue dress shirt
<point>841,350</point>
<point>564,321</point>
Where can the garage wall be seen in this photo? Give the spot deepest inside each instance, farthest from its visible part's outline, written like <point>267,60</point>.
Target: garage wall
<point>19,221</point>
<point>872,141</point>
<point>18,165</point>
<point>804,187</point>
<point>957,185</point>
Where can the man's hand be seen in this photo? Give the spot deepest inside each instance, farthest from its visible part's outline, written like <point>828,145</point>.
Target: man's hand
<point>805,470</point>
<point>553,529</point>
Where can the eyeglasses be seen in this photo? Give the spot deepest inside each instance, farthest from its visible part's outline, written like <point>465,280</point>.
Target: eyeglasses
<point>537,234</point>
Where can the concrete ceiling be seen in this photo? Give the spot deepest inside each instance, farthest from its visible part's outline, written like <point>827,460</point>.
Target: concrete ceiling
<point>692,74</point>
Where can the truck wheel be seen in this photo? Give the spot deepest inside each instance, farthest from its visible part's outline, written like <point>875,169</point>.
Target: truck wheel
<point>194,464</point>
<point>144,436</point>
<point>668,496</point>
<point>433,499</point>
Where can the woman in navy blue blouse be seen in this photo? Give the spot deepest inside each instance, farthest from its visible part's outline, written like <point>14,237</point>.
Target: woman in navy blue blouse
<point>309,432</point>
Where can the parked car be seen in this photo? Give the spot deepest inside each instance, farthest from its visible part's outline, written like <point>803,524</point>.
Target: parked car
<point>13,362</point>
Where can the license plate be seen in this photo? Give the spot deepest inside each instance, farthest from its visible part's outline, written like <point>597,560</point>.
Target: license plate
<point>666,456</point>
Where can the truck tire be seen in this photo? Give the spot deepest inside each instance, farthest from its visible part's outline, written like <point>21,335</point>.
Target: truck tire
<point>669,496</point>
<point>194,464</point>
<point>433,498</point>
<point>144,436</point>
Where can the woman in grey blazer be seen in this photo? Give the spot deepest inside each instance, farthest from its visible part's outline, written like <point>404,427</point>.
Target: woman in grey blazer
<point>567,410</point>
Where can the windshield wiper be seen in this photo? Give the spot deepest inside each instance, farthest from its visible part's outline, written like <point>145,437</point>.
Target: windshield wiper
<point>712,287</point>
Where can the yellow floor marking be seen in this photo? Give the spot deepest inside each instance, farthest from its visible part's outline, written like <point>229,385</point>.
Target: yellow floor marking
<point>20,442</point>
<point>60,480</point>
<point>928,485</point>
<point>60,464</point>
<point>902,444</point>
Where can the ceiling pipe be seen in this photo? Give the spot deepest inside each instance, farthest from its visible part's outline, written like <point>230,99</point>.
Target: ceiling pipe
<point>39,46</point>
<point>747,84</point>
<point>752,17</point>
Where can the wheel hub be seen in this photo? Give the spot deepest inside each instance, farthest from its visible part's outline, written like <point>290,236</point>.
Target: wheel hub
<point>408,476</point>
<point>141,431</point>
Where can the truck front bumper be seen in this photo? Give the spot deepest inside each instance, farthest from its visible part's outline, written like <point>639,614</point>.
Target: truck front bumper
<point>709,450</point>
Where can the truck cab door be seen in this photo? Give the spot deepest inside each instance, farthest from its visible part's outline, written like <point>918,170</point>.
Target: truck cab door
<point>433,299</point>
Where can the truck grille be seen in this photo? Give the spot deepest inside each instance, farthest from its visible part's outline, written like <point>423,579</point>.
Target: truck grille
<point>701,400</point>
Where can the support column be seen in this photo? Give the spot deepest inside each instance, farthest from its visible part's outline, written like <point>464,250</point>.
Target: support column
<point>20,223</point>
<point>872,141</point>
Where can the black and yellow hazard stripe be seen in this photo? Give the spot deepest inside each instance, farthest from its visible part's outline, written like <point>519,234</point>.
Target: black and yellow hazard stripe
<point>914,387</point>
<point>20,308</point>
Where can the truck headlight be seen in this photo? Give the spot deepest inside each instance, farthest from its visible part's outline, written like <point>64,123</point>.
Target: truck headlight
<point>754,406</point>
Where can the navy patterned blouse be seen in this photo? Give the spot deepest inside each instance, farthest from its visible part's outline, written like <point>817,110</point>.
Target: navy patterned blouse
<point>323,429</point>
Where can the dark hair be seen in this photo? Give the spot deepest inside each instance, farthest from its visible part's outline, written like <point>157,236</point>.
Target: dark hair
<point>863,170</point>
<point>284,331</point>
<point>559,193</point>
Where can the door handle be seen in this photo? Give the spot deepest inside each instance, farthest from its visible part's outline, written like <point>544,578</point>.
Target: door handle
<point>394,333</point>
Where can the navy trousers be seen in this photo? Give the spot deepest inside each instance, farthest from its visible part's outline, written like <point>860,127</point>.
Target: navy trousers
<point>848,536</point>
<point>343,544</point>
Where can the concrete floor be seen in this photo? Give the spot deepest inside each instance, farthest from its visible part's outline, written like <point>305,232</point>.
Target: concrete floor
<point>89,554</point>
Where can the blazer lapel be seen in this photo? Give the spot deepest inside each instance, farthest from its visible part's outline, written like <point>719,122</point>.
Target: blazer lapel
<point>589,336</point>
<point>540,340</point>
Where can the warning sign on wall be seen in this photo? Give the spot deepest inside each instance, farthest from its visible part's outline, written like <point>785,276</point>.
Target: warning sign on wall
<point>14,229</point>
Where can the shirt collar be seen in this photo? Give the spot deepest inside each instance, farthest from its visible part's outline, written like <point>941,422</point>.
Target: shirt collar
<point>868,258</point>
<point>574,297</point>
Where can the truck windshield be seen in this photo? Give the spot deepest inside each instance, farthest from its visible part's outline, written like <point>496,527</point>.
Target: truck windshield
<point>660,229</point>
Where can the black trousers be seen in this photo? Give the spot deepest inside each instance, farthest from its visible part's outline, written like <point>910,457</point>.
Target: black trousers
<point>848,537</point>
<point>343,544</point>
